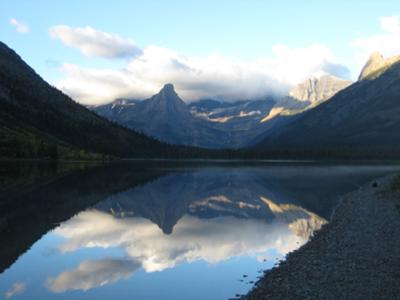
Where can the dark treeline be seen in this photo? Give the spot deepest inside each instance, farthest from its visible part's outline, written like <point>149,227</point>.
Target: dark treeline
<point>34,148</point>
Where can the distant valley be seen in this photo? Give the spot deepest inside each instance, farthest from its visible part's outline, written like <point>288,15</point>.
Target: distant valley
<point>211,123</point>
<point>324,116</point>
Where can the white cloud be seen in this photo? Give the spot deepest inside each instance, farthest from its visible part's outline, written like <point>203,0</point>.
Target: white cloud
<point>391,24</point>
<point>192,239</point>
<point>93,42</point>
<point>387,42</point>
<point>19,26</point>
<point>90,274</point>
<point>92,86</point>
<point>199,77</point>
<point>17,288</point>
<point>194,77</point>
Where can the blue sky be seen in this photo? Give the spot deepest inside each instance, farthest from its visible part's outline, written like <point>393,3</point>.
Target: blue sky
<point>239,31</point>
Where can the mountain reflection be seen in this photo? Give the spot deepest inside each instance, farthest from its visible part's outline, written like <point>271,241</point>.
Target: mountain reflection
<point>105,225</point>
<point>203,215</point>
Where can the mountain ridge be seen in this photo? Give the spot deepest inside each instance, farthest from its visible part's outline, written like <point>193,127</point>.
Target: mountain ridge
<point>37,120</point>
<point>363,116</point>
<point>376,65</point>
<point>210,123</point>
<point>319,88</point>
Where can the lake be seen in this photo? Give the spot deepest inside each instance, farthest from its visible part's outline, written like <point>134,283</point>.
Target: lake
<point>160,229</point>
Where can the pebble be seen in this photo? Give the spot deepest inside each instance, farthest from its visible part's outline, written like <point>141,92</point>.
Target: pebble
<point>358,251</point>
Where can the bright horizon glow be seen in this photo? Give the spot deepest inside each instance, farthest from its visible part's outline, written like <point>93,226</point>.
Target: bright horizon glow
<point>97,51</point>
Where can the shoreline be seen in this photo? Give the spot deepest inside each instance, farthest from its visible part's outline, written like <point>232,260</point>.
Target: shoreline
<point>355,256</point>
<point>200,160</point>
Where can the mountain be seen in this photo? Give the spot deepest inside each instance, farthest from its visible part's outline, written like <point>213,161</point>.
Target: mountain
<point>166,117</point>
<point>210,123</point>
<point>376,65</point>
<point>170,117</point>
<point>307,94</point>
<point>363,117</point>
<point>223,112</point>
<point>319,88</point>
<point>240,121</point>
<point>304,96</point>
<point>37,120</point>
<point>112,110</point>
<point>246,122</point>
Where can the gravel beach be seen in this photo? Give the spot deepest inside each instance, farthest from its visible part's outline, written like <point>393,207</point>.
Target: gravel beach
<point>355,256</point>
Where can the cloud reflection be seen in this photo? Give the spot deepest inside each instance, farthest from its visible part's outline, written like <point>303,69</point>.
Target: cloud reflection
<point>212,240</point>
<point>17,288</point>
<point>283,228</point>
<point>90,274</point>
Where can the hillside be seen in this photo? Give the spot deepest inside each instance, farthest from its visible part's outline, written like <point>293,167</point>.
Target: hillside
<point>363,117</point>
<point>37,120</point>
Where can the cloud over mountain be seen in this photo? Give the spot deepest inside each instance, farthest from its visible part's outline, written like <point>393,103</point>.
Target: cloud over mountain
<point>92,42</point>
<point>194,77</point>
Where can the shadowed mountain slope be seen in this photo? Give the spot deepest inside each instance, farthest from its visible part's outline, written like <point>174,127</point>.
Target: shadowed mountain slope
<point>37,120</point>
<point>364,116</point>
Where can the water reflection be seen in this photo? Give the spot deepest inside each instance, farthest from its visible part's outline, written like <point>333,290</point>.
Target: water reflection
<point>140,229</point>
<point>35,198</point>
<point>17,288</point>
<point>90,274</point>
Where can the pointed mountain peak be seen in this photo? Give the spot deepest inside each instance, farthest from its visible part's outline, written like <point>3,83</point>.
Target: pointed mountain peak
<point>376,56</point>
<point>169,87</point>
<point>376,65</point>
<point>168,91</point>
<point>167,100</point>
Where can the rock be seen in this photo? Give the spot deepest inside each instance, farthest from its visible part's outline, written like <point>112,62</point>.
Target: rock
<point>361,239</point>
<point>376,65</point>
<point>319,88</point>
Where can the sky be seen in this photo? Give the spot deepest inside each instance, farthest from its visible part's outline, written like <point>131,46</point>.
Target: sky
<point>97,51</point>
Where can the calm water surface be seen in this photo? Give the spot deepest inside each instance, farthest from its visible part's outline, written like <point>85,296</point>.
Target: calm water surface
<point>159,230</point>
